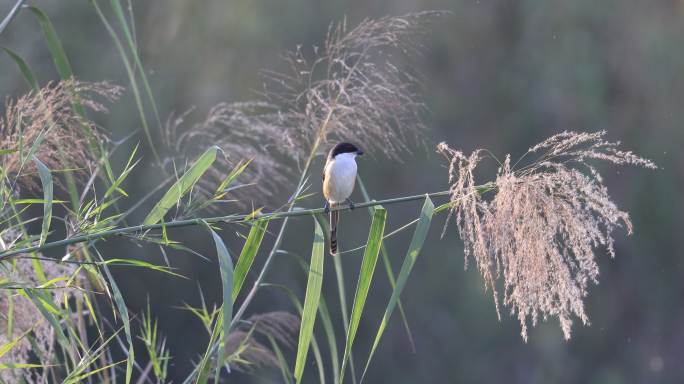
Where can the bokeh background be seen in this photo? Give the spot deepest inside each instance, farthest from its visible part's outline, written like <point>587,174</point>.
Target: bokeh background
<point>499,74</point>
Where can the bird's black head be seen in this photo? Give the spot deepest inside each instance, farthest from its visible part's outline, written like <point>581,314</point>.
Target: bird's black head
<point>344,147</point>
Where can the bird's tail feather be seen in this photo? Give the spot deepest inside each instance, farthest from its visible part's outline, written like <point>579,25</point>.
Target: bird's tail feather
<point>334,219</point>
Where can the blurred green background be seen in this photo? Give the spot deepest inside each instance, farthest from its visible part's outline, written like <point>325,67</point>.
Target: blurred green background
<point>499,74</point>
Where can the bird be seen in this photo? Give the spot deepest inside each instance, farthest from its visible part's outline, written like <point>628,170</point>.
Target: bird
<point>339,177</point>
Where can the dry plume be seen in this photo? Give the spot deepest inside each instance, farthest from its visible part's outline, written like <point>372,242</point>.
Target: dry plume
<point>359,86</point>
<point>49,119</point>
<point>539,232</point>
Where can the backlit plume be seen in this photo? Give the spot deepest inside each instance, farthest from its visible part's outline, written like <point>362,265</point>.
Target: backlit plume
<point>536,236</point>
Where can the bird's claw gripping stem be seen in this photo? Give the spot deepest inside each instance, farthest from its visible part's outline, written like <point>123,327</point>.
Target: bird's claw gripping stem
<point>351,204</point>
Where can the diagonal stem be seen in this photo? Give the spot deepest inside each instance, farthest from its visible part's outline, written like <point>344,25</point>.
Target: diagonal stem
<point>211,220</point>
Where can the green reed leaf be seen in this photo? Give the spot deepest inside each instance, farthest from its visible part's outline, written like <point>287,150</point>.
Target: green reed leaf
<point>370,259</point>
<point>24,68</point>
<point>226,267</point>
<point>388,267</point>
<point>417,241</point>
<point>46,181</point>
<point>248,254</point>
<point>182,186</point>
<point>54,44</point>
<point>311,300</point>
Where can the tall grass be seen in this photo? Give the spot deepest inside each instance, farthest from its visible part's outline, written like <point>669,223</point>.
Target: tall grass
<point>65,318</point>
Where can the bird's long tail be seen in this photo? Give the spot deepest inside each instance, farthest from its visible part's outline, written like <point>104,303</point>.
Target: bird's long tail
<point>334,219</point>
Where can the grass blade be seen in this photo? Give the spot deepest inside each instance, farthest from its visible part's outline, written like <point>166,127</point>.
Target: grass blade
<point>311,300</point>
<point>414,249</point>
<point>123,313</point>
<point>203,366</point>
<point>370,259</point>
<point>314,343</point>
<point>24,68</point>
<point>247,255</point>
<point>46,180</point>
<point>10,344</point>
<point>131,77</point>
<point>130,39</point>
<point>282,363</point>
<point>54,45</point>
<point>389,270</point>
<point>226,266</point>
<point>325,319</point>
<point>327,324</point>
<point>182,186</point>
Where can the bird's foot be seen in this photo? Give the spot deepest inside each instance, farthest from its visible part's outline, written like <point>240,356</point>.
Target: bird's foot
<point>326,208</point>
<point>351,204</point>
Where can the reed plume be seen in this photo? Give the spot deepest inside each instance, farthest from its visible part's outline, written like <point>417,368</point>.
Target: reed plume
<point>539,233</point>
<point>22,321</point>
<point>49,121</point>
<point>246,353</point>
<point>360,86</point>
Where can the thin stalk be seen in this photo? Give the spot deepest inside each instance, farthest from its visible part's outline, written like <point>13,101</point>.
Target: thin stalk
<point>211,220</point>
<point>281,232</point>
<point>12,13</point>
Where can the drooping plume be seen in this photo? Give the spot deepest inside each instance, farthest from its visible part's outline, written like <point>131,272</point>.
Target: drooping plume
<point>538,233</point>
<point>359,86</point>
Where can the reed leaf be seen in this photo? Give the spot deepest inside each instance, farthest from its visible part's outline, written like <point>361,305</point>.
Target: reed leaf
<point>388,269</point>
<point>122,310</point>
<point>370,259</point>
<point>54,44</point>
<point>311,300</point>
<point>181,186</point>
<point>417,241</point>
<point>24,68</point>
<point>46,181</point>
<point>226,266</point>
<point>248,254</point>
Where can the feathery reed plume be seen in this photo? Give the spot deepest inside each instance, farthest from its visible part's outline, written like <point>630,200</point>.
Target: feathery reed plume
<point>48,119</point>
<point>540,229</point>
<point>245,132</point>
<point>24,321</point>
<point>245,353</point>
<point>353,88</point>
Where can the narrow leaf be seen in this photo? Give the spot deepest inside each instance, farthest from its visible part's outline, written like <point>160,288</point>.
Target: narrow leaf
<point>311,300</point>
<point>226,266</point>
<point>282,363</point>
<point>46,180</point>
<point>388,268</point>
<point>247,255</point>
<point>54,45</point>
<point>24,68</point>
<point>370,259</point>
<point>181,186</point>
<point>123,313</point>
<point>10,344</point>
<point>130,71</point>
<point>414,249</point>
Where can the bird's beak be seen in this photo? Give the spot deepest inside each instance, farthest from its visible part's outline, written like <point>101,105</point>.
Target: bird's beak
<point>359,152</point>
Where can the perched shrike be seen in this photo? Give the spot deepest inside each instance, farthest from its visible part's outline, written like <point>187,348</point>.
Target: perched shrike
<point>339,177</point>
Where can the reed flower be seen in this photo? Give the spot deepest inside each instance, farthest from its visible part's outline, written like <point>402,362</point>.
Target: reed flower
<point>538,234</point>
<point>21,320</point>
<point>359,86</point>
<point>48,124</point>
<point>245,352</point>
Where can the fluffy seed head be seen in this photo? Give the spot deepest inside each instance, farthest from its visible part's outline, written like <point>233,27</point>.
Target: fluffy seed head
<point>353,88</point>
<point>538,234</point>
<point>49,119</point>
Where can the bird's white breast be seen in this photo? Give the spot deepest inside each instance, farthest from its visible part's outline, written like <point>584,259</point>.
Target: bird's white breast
<point>340,177</point>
